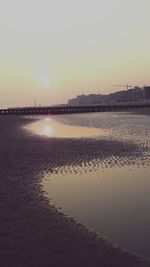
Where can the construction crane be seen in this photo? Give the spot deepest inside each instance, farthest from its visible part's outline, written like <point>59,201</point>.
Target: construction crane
<point>124,85</point>
<point>128,93</point>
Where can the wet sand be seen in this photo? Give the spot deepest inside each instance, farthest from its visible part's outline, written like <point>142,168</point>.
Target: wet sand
<point>34,232</point>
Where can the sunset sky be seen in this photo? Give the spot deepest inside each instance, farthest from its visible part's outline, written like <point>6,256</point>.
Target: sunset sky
<point>53,50</point>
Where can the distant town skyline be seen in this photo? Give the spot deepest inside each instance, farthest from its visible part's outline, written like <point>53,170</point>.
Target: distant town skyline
<point>129,95</point>
<point>52,51</point>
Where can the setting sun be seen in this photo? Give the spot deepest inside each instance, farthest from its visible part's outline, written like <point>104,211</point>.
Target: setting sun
<point>44,80</point>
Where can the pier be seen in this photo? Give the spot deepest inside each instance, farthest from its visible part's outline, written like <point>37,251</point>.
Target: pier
<point>54,110</point>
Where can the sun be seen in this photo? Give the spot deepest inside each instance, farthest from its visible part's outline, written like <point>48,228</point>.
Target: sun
<point>44,80</point>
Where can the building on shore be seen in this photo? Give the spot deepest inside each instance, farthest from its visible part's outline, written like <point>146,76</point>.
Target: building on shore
<point>146,90</point>
<point>134,94</point>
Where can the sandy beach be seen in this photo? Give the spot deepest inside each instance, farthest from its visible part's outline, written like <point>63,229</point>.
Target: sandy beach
<point>34,232</point>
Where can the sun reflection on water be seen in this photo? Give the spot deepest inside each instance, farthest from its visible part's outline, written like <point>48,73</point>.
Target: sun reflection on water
<point>51,128</point>
<point>47,119</point>
<point>47,130</point>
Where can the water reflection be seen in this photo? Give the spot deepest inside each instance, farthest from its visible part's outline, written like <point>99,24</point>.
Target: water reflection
<point>47,130</point>
<point>114,202</point>
<point>51,128</point>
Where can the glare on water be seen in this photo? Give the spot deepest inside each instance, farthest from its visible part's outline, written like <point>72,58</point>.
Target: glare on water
<point>51,128</point>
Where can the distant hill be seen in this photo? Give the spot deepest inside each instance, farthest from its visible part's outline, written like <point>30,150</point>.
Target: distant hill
<point>134,94</point>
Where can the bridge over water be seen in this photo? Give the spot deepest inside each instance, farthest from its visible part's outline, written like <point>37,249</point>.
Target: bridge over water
<point>54,110</point>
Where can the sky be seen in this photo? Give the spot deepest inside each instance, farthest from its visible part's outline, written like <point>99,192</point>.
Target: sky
<point>53,50</point>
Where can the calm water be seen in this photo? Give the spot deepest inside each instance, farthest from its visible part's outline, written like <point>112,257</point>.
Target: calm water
<point>115,203</point>
<point>114,199</point>
<point>49,127</point>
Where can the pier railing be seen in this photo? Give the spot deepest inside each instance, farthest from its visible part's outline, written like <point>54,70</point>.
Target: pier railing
<point>54,110</point>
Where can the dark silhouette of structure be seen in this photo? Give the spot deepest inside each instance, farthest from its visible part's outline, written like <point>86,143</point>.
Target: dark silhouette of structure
<point>54,110</point>
<point>146,92</point>
<point>132,94</point>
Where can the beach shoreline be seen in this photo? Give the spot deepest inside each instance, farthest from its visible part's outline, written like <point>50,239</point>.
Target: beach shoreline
<point>34,232</point>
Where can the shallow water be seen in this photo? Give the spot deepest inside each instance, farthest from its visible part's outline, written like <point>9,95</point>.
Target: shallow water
<point>114,202</point>
<point>49,127</point>
<point>109,194</point>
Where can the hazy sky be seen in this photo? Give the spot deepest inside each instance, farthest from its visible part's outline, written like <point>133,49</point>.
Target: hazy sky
<point>52,50</point>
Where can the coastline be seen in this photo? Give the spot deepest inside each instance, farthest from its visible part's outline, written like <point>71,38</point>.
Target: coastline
<point>34,232</point>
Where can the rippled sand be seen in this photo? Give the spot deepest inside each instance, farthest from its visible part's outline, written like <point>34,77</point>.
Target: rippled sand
<point>34,233</point>
<point>121,141</point>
